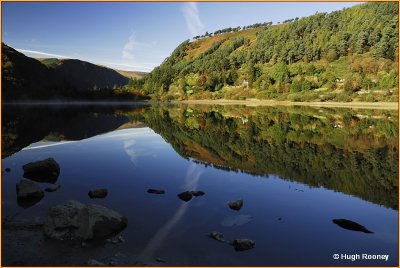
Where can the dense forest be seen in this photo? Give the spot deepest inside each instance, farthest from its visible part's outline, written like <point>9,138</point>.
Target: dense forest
<point>25,78</point>
<point>346,55</point>
<point>354,153</point>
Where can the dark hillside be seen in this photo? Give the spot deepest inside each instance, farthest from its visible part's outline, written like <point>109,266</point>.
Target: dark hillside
<point>83,76</point>
<point>25,78</point>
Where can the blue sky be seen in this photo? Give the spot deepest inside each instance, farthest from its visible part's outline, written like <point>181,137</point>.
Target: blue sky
<point>128,35</point>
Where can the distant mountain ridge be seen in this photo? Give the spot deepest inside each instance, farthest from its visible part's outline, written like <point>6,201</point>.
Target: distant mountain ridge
<point>132,74</point>
<point>54,62</point>
<point>25,78</point>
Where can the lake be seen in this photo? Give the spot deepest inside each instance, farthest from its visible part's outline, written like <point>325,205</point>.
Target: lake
<point>304,174</point>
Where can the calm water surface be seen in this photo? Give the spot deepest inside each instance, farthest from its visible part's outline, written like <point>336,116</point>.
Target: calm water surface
<point>296,170</point>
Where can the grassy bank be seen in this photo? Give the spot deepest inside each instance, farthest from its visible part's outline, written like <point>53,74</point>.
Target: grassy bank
<point>255,102</point>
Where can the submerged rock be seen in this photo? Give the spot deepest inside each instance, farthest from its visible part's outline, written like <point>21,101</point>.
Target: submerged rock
<point>351,225</point>
<point>28,193</point>
<point>7,170</point>
<point>236,220</point>
<point>155,191</point>
<point>46,170</point>
<point>185,196</point>
<point>236,204</point>
<point>197,193</point>
<point>27,189</point>
<point>98,193</point>
<point>52,188</point>
<point>243,244</point>
<point>28,202</point>
<point>76,221</point>
<point>217,236</point>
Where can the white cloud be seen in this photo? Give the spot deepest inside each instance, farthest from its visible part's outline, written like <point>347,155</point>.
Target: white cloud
<point>42,53</point>
<point>127,51</point>
<point>193,21</point>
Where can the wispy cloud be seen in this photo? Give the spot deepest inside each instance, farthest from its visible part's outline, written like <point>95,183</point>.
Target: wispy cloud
<point>42,53</point>
<point>47,145</point>
<point>127,51</point>
<point>193,21</point>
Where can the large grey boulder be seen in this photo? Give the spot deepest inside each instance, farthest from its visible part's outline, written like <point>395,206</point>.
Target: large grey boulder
<point>46,170</point>
<point>76,221</point>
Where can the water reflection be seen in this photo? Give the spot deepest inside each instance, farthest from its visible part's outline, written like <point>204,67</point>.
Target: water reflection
<point>354,152</point>
<point>24,125</point>
<point>158,240</point>
<point>296,169</point>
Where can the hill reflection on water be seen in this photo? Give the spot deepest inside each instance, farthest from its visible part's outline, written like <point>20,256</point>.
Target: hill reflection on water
<point>351,151</point>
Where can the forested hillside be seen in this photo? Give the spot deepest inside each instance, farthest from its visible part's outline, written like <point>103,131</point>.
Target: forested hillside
<point>346,55</point>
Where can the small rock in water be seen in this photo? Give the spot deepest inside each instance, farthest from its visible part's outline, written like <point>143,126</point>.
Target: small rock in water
<point>7,169</point>
<point>98,193</point>
<point>52,188</point>
<point>197,193</point>
<point>243,244</point>
<point>351,225</point>
<point>236,204</point>
<point>155,191</point>
<point>27,189</point>
<point>217,236</point>
<point>46,170</point>
<point>185,196</point>
<point>93,262</point>
<point>279,219</point>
